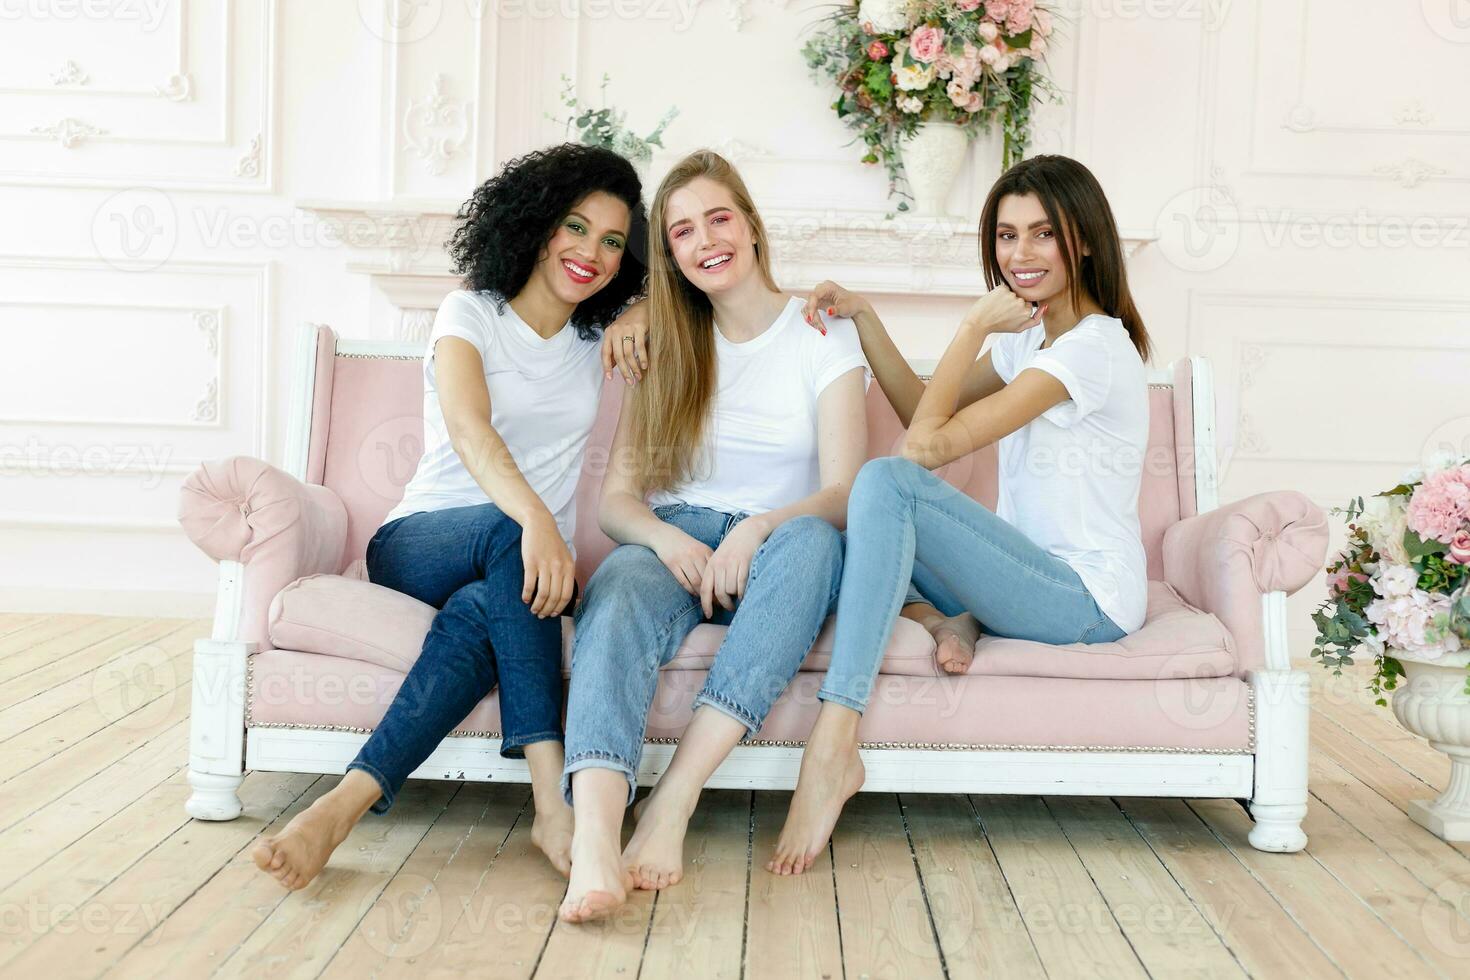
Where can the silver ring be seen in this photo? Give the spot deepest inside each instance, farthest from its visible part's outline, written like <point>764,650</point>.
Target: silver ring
<point>627,337</point>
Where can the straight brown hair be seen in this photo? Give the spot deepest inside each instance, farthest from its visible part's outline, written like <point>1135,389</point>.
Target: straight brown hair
<point>1076,206</point>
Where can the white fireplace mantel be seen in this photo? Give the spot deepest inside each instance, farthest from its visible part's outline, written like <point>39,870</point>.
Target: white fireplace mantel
<point>399,246</point>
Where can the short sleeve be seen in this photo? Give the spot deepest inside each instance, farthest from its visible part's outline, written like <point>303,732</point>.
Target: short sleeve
<point>835,354</point>
<point>1082,360</point>
<point>1000,355</point>
<point>462,315</point>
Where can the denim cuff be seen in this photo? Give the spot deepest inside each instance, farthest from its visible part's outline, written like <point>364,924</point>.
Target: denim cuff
<point>597,760</point>
<point>511,748</point>
<point>385,801</point>
<point>846,702</point>
<point>727,707</point>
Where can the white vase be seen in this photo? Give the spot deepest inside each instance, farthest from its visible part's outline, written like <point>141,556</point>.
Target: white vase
<point>932,158</point>
<point>1432,703</point>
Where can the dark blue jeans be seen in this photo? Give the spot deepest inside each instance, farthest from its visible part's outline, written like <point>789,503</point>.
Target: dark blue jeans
<point>465,562</point>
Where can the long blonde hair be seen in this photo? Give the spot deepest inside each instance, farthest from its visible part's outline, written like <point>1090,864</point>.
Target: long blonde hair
<point>670,406</point>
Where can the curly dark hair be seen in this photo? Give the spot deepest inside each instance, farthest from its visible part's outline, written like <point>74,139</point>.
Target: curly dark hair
<point>511,217</point>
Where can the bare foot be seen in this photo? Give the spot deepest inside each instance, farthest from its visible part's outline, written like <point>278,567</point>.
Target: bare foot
<point>297,854</point>
<point>599,885</point>
<point>552,832</point>
<point>828,780</point>
<point>954,642</point>
<point>654,856</point>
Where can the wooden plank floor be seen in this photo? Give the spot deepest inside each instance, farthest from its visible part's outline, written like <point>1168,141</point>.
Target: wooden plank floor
<point>102,873</point>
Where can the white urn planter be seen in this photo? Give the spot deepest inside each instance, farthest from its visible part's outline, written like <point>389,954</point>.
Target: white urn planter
<point>1432,703</point>
<point>934,156</point>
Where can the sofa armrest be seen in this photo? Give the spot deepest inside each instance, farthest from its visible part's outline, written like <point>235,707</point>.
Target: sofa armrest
<point>1225,560</point>
<point>244,510</point>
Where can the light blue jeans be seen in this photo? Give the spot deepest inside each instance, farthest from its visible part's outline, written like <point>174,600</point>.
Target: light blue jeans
<point>636,615</point>
<point>906,524</point>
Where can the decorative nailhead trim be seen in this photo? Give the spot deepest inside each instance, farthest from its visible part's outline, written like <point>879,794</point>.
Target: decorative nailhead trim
<point>380,357</point>
<point>1250,749</point>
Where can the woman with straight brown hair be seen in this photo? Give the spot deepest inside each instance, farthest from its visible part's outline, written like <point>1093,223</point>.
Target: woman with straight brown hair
<point>1063,391</point>
<point>728,486</point>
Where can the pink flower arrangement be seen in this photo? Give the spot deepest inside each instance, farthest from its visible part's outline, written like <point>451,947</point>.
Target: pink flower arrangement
<point>926,44</point>
<point>902,64</point>
<point>1411,545</point>
<point>1440,508</point>
<point>1459,552</point>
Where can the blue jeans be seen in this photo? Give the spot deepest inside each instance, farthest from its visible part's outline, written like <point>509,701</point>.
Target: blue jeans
<point>636,616</point>
<point>466,562</point>
<point>904,523</point>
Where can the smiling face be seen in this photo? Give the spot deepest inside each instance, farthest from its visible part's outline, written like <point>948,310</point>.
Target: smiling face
<point>1027,248</point>
<point>586,250</point>
<point>708,235</point>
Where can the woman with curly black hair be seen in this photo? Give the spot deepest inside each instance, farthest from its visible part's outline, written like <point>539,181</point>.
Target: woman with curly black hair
<point>512,378</point>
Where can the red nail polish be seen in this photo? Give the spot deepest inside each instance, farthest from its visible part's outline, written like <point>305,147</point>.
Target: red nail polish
<point>831,310</point>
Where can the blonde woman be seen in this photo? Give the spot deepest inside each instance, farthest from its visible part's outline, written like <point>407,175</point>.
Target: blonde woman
<point>731,468</point>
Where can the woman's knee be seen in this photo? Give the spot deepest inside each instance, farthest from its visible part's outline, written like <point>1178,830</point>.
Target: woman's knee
<point>631,572</point>
<point>496,539</point>
<point>886,477</point>
<point>809,536</point>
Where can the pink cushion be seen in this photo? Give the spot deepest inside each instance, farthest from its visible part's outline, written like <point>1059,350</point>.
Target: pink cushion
<point>1176,640</point>
<point>357,620</point>
<point>288,688</point>
<point>346,617</point>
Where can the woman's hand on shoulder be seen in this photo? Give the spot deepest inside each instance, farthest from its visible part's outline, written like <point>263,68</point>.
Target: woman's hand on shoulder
<point>625,344</point>
<point>830,299</point>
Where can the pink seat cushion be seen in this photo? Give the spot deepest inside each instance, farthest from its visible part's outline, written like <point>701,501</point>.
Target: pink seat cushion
<point>289,689</point>
<point>357,620</point>
<point>1175,641</point>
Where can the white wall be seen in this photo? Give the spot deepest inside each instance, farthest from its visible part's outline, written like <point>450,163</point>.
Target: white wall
<point>176,178</point>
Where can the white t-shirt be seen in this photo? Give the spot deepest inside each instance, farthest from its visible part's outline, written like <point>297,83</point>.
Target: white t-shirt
<point>543,401</point>
<point>1070,478</point>
<point>760,443</point>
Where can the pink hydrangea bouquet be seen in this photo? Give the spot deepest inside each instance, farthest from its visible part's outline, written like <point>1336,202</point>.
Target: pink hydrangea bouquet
<point>1399,587</point>
<point>897,63</point>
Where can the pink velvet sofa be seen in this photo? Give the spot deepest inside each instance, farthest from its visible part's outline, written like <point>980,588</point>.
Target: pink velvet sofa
<point>1201,701</point>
